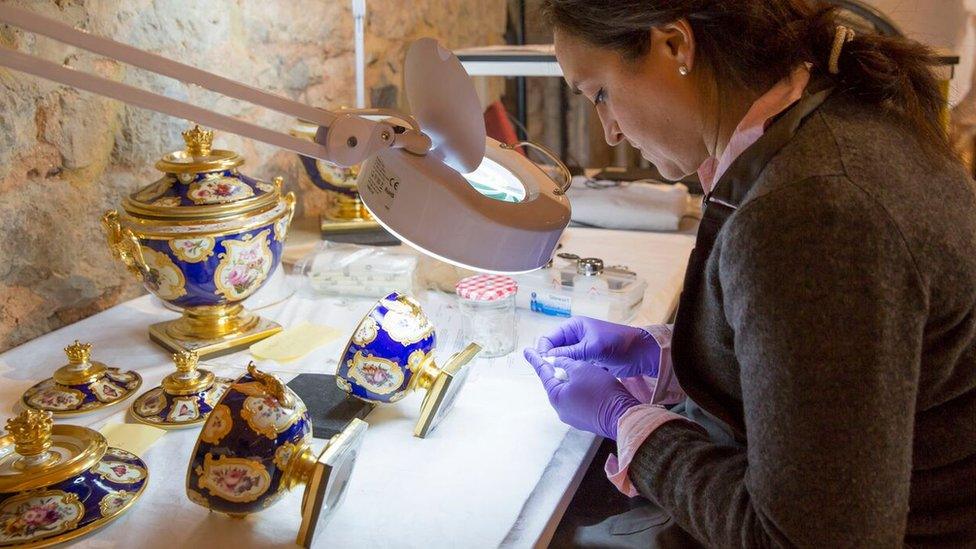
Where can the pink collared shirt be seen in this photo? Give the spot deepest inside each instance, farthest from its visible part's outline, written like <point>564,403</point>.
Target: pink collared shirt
<point>640,421</point>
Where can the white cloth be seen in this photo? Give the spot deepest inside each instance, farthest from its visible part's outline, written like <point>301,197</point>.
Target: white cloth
<point>633,206</point>
<point>487,476</point>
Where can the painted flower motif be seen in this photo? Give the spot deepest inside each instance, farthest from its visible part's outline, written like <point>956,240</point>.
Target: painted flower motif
<point>119,472</point>
<point>218,425</point>
<point>234,479</point>
<point>365,332</point>
<point>151,403</point>
<point>34,515</point>
<point>219,191</point>
<point>265,415</point>
<point>377,375</point>
<point>192,250</point>
<point>164,278</point>
<point>284,454</point>
<point>106,391</point>
<point>407,327</point>
<point>244,265</point>
<point>56,399</point>
<point>184,410</point>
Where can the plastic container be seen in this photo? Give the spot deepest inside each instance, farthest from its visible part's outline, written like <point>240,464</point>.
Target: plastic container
<point>488,305</point>
<point>614,293</point>
<point>358,271</point>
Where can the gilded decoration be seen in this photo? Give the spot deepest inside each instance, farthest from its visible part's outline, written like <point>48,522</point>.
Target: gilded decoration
<point>234,479</point>
<point>113,502</point>
<point>219,423</point>
<point>266,187</point>
<point>163,277</point>
<point>244,266</point>
<point>284,453</point>
<point>119,376</point>
<point>32,515</point>
<point>193,250</point>
<point>120,453</point>
<point>167,202</point>
<point>197,497</point>
<point>343,384</point>
<point>184,409</point>
<point>119,472</point>
<point>281,229</point>
<point>266,415</point>
<point>415,359</point>
<point>378,375</point>
<point>218,190</point>
<point>365,332</point>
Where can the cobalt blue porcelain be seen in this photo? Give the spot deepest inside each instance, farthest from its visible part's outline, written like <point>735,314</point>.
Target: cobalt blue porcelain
<point>71,507</point>
<point>244,448</point>
<point>387,350</point>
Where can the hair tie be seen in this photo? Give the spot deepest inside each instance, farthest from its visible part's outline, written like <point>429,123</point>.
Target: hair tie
<point>842,36</point>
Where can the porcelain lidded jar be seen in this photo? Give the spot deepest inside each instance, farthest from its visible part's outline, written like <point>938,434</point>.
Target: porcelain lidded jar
<point>59,482</point>
<point>203,238</point>
<point>391,353</point>
<point>256,445</point>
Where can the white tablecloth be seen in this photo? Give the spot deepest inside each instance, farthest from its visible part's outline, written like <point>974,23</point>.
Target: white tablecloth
<point>498,471</point>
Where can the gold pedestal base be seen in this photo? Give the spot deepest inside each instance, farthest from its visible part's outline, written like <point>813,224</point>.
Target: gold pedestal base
<point>165,335</point>
<point>340,226</point>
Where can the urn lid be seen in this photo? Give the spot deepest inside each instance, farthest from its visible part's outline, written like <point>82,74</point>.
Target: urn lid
<point>201,182</point>
<point>36,453</point>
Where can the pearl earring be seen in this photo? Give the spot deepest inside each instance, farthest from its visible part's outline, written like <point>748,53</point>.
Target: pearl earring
<point>683,70</point>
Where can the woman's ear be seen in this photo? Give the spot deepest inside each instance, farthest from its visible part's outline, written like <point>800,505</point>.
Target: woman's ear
<point>675,41</point>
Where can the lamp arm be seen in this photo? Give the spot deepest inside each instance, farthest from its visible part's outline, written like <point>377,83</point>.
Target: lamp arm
<point>344,139</point>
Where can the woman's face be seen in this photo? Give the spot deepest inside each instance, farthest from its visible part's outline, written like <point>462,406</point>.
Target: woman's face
<point>646,102</point>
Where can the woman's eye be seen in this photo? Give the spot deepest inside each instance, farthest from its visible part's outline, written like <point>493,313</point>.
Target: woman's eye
<point>600,97</point>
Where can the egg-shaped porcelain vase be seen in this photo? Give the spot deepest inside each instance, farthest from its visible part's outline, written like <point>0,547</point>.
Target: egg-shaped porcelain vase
<point>391,353</point>
<point>255,446</point>
<point>203,238</point>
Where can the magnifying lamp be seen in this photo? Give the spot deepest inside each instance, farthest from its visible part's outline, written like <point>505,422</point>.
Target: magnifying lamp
<point>439,185</point>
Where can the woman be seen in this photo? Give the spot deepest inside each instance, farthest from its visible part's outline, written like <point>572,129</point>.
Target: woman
<point>826,334</point>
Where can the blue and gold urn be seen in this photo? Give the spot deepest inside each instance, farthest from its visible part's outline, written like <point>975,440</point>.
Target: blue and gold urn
<point>256,445</point>
<point>58,482</point>
<point>391,353</point>
<point>203,238</point>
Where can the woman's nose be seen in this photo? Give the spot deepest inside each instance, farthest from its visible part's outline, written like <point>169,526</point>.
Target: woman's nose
<point>612,133</point>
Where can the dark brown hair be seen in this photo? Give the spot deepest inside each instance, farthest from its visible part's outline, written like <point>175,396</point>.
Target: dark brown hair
<point>752,44</point>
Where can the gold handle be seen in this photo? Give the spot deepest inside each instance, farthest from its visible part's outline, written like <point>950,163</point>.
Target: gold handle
<point>124,245</point>
<point>272,385</point>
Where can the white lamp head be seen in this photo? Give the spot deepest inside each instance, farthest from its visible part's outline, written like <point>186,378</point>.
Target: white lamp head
<point>470,201</point>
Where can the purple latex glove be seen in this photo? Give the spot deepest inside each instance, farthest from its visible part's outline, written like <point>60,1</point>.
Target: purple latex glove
<point>590,398</point>
<point>623,350</point>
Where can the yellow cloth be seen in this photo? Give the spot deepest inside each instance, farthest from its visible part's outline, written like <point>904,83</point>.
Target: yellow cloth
<point>135,438</point>
<point>295,342</point>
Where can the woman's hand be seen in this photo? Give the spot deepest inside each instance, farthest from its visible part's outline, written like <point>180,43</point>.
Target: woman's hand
<point>587,397</point>
<point>623,350</point>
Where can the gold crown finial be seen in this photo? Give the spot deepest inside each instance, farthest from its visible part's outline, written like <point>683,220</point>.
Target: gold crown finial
<point>186,361</point>
<point>31,431</point>
<point>78,353</point>
<point>198,141</point>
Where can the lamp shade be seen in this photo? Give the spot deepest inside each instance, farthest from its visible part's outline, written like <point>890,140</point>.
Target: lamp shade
<point>505,217</point>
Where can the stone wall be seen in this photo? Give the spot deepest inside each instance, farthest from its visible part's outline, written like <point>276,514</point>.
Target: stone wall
<point>67,156</point>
